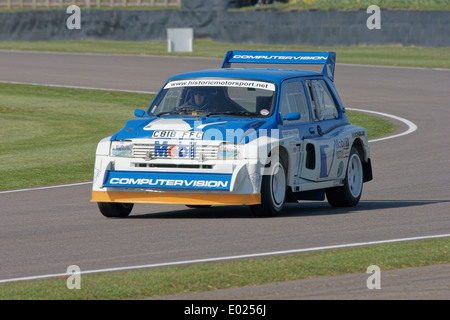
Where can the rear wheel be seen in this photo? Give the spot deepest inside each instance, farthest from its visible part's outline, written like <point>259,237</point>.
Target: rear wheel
<point>349,194</point>
<point>115,210</point>
<point>273,192</point>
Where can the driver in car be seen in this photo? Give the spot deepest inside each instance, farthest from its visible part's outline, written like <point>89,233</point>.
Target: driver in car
<point>198,101</point>
<point>200,98</point>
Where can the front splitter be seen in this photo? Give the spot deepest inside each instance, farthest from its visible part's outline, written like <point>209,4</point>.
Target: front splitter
<point>176,198</point>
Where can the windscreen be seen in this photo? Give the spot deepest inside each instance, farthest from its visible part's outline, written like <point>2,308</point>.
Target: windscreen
<point>221,97</point>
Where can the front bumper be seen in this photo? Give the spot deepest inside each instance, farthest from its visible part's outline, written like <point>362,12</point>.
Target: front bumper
<point>199,181</point>
<point>190,188</point>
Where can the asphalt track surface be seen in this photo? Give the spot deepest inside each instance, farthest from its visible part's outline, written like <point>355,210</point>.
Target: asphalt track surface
<point>43,231</point>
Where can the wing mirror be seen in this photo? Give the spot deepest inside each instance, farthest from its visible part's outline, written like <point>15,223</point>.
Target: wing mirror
<point>139,113</point>
<point>292,116</point>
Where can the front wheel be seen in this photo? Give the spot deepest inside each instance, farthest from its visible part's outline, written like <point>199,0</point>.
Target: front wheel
<point>349,194</point>
<point>273,192</point>
<point>115,210</point>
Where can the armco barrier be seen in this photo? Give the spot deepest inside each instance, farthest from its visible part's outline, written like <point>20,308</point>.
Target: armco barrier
<point>333,27</point>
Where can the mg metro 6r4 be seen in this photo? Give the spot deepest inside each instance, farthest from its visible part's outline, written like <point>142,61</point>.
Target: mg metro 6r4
<point>237,136</point>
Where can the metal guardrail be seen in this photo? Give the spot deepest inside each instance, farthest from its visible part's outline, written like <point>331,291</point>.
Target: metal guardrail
<point>50,4</point>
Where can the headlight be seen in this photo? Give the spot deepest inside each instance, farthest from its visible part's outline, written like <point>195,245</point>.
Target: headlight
<point>121,149</point>
<point>231,151</point>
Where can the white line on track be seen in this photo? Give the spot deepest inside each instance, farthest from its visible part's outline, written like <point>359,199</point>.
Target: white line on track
<point>47,187</point>
<point>389,67</point>
<point>75,87</point>
<point>140,55</point>
<point>411,126</point>
<point>217,259</point>
<point>143,55</point>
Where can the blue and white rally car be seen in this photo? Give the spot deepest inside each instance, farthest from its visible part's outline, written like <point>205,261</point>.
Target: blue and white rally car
<point>237,136</point>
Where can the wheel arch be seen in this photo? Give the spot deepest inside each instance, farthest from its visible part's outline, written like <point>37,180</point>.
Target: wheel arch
<point>357,143</point>
<point>363,148</point>
<point>283,154</point>
<point>365,161</point>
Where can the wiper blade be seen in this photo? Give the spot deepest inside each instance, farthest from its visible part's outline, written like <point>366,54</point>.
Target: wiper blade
<point>237,113</point>
<point>187,111</point>
<point>168,112</point>
<point>162,113</point>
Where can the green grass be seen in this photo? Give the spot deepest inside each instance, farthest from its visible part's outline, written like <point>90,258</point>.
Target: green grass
<point>15,7</point>
<point>146,283</point>
<point>363,4</point>
<point>50,134</point>
<point>305,5</point>
<point>376,127</point>
<point>374,55</point>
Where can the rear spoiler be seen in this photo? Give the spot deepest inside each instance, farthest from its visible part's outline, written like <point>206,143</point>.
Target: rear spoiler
<point>328,59</point>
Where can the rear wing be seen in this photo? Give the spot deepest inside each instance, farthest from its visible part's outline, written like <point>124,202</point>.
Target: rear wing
<point>328,59</point>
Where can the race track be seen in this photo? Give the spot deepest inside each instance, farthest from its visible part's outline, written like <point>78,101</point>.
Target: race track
<point>43,231</point>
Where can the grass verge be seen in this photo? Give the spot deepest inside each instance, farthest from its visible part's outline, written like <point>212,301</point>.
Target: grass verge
<point>379,55</point>
<point>292,5</point>
<point>147,283</point>
<point>362,4</point>
<point>52,133</point>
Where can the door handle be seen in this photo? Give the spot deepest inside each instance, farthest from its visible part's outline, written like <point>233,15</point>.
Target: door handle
<point>319,130</point>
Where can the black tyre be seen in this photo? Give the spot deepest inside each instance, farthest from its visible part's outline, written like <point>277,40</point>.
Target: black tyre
<point>349,194</point>
<point>115,210</point>
<point>273,191</point>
